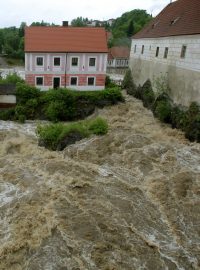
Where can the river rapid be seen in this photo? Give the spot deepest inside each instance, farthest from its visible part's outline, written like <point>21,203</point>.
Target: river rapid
<point>127,200</point>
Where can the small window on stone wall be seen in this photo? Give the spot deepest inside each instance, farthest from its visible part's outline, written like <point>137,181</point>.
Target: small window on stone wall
<point>157,51</point>
<point>135,48</point>
<point>183,51</point>
<point>166,52</point>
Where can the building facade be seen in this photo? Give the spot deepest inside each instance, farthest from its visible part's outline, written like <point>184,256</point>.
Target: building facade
<point>67,57</point>
<point>169,47</point>
<point>118,59</point>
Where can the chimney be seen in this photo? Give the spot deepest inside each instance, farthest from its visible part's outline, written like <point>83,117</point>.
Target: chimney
<point>65,23</point>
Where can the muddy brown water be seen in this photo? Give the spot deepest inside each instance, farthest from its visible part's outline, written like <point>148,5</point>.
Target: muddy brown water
<point>126,200</point>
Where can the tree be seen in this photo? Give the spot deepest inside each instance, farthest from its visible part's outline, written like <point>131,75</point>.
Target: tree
<point>22,29</point>
<point>79,22</point>
<point>130,30</point>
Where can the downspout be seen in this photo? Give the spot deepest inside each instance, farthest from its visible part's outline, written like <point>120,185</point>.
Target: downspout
<point>65,70</point>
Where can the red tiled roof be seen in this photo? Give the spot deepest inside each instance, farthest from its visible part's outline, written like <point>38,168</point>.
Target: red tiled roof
<point>65,39</point>
<point>181,17</point>
<point>118,52</point>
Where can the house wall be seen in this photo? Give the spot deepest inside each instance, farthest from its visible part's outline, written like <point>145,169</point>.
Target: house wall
<point>48,71</point>
<point>182,74</point>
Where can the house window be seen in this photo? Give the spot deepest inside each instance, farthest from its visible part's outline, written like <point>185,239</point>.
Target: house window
<point>166,52</point>
<point>39,61</point>
<point>39,80</point>
<point>91,80</point>
<point>92,62</point>
<point>74,61</point>
<point>135,48</point>
<point>157,51</point>
<point>142,49</point>
<point>73,81</point>
<point>183,51</point>
<point>56,61</point>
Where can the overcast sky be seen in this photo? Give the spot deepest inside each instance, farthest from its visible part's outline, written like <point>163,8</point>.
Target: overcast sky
<point>13,12</point>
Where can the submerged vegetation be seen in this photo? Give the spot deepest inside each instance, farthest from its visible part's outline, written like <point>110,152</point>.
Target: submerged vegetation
<point>162,106</point>
<point>58,136</point>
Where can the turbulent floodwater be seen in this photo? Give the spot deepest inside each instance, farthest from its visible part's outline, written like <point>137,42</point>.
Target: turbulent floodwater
<point>127,200</point>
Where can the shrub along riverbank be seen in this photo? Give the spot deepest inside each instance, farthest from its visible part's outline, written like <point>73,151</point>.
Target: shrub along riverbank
<point>58,105</point>
<point>162,106</point>
<point>58,136</point>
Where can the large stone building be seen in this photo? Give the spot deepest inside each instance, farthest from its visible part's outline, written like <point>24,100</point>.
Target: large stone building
<point>169,47</point>
<point>70,57</point>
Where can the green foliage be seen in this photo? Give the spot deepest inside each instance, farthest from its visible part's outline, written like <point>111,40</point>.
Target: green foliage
<point>192,127</point>
<point>163,111</point>
<point>58,136</point>
<point>21,119</point>
<point>49,135</point>
<point>25,92</point>
<point>11,78</point>
<point>179,118</point>
<point>98,126</point>
<point>131,29</point>
<point>128,83</point>
<point>129,23</point>
<point>56,110</point>
<point>162,108</point>
<point>79,22</point>
<point>11,42</point>
<point>62,104</point>
<point>8,114</point>
<point>148,96</point>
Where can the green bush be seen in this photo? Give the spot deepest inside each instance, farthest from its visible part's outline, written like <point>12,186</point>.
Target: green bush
<point>109,83</point>
<point>129,84</point>
<point>21,119</point>
<point>25,92</point>
<point>58,136</point>
<point>48,135</point>
<point>147,94</point>
<point>163,111</point>
<point>8,114</point>
<point>11,78</point>
<point>56,110</point>
<point>98,126</point>
<point>192,131</point>
<point>178,118</point>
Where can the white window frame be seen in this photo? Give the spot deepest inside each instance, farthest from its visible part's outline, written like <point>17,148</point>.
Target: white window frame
<point>70,81</point>
<point>39,56</point>
<point>53,61</point>
<point>92,67</point>
<point>94,80</point>
<point>74,67</point>
<point>36,80</point>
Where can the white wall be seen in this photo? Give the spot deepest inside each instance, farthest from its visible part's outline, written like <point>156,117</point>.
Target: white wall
<point>182,74</point>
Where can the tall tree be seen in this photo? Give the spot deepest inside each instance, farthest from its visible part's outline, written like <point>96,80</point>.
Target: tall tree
<point>131,29</point>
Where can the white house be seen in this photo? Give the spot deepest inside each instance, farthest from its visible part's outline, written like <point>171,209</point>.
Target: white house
<point>72,57</point>
<point>169,46</point>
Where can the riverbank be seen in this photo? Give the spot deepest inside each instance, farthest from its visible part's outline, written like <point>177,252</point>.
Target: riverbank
<point>126,200</point>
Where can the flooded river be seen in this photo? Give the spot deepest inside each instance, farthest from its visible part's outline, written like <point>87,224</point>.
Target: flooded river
<point>128,200</point>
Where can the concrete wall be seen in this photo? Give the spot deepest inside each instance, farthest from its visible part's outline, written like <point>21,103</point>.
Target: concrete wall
<point>182,74</point>
<point>8,99</point>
